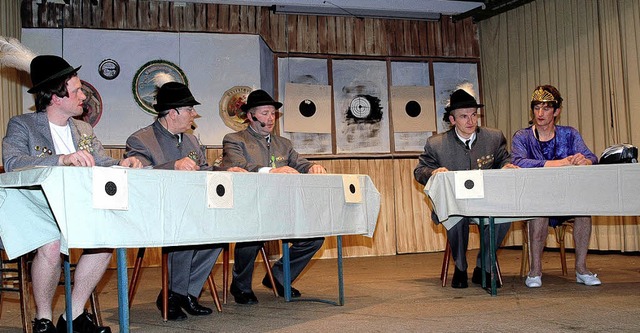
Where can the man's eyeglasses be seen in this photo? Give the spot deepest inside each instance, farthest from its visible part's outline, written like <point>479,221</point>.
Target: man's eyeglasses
<point>186,109</point>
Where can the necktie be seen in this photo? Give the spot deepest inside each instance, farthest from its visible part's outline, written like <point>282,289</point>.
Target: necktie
<point>466,143</point>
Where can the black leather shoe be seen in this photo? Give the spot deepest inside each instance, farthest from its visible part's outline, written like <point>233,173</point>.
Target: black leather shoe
<point>459,279</point>
<point>190,304</point>
<point>477,278</point>
<point>279,287</point>
<point>242,297</point>
<point>174,313</point>
<point>43,326</point>
<point>83,324</point>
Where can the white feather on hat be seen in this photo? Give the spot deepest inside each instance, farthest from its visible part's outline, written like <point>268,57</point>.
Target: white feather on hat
<point>15,55</point>
<point>160,78</point>
<point>468,87</point>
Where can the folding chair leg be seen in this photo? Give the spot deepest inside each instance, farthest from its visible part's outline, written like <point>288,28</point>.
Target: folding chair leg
<point>25,295</point>
<point>135,275</point>
<point>445,264</point>
<point>165,286</point>
<point>214,293</point>
<point>560,233</point>
<point>95,307</point>
<point>267,266</point>
<point>524,261</point>
<point>225,273</point>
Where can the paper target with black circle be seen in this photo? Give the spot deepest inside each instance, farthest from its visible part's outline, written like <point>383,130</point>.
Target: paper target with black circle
<point>307,108</point>
<point>469,184</point>
<point>352,190</point>
<point>110,188</point>
<point>219,190</point>
<point>413,109</point>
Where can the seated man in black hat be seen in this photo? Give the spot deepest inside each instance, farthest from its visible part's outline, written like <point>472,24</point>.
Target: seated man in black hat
<point>256,149</point>
<point>52,137</point>
<point>165,144</point>
<point>465,146</point>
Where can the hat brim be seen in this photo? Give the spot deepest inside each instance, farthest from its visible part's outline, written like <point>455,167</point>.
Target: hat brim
<point>247,107</point>
<point>463,105</point>
<point>56,76</point>
<point>169,106</point>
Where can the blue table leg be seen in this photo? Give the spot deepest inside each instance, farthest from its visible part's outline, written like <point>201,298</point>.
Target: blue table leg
<point>286,269</point>
<point>287,277</point>
<point>340,272</point>
<point>483,263</point>
<point>492,255</point>
<point>123,289</point>
<point>67,293</point>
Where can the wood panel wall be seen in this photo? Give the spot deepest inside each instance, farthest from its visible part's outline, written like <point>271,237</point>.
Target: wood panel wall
<point>283,33</point>
<point>404,225</point>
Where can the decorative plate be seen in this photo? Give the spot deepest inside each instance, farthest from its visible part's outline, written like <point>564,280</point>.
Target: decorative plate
<point>230,104</point>
<point>109,69</point>
<point>92,105</point>
<point>143,87</point>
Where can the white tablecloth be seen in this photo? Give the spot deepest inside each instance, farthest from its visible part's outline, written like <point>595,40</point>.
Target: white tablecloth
<point>167,208</point>
<point>511,194</point>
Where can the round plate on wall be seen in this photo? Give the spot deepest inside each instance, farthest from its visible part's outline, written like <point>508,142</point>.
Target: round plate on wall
<point>144,88</point>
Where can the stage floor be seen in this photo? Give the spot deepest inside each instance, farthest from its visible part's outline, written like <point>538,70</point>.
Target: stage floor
<point>400,294</point>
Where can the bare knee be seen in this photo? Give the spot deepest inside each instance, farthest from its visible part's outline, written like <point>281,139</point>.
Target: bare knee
<point>50,253</point>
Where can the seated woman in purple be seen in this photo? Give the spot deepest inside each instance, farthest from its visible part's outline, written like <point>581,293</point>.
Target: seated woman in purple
<point>545,144</point>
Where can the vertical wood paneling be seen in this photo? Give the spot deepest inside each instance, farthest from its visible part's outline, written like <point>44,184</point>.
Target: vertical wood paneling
<point>323,46</point>
<point>331,36</point>
<point>223,18</point>
<point>415,38</point>
<point>234,18</point>
<point>200,17</point>
<point>341,43</point>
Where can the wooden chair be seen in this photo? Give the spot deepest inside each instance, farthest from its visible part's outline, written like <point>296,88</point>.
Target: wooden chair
<point>225,272</point>
<point>559,231</point>
<point>15,277</point>
<point>135,275</point>
<point>445,266</point>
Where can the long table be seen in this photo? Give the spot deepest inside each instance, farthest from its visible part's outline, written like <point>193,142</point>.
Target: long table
<point>172,208</point>
<point>515,194</point>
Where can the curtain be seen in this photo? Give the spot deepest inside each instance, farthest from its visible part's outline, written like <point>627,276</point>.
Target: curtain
<point>10,79</point>
<point>589,50</point>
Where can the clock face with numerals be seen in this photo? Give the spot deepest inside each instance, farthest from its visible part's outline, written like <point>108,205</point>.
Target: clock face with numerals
<point>360,107</point>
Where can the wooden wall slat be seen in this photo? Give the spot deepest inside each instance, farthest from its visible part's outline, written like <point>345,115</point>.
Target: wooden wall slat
<point>223,18</point>
<point>341,43</point>
<point>369,36</point>
<point>349,35</point>
<point>422,38</point>
<point>323,44</point>
<point>332,47</point>
<point>200,17</point>
<point>358,36</point>
<point>234,18</point>
<point>415,38</point>
<point>312,35</point>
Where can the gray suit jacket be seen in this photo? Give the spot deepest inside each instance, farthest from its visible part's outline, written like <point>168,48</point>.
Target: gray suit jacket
<point>28,142</point>
<point>249,150</point>
<point>489,151</point>
<point>157,147</point>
